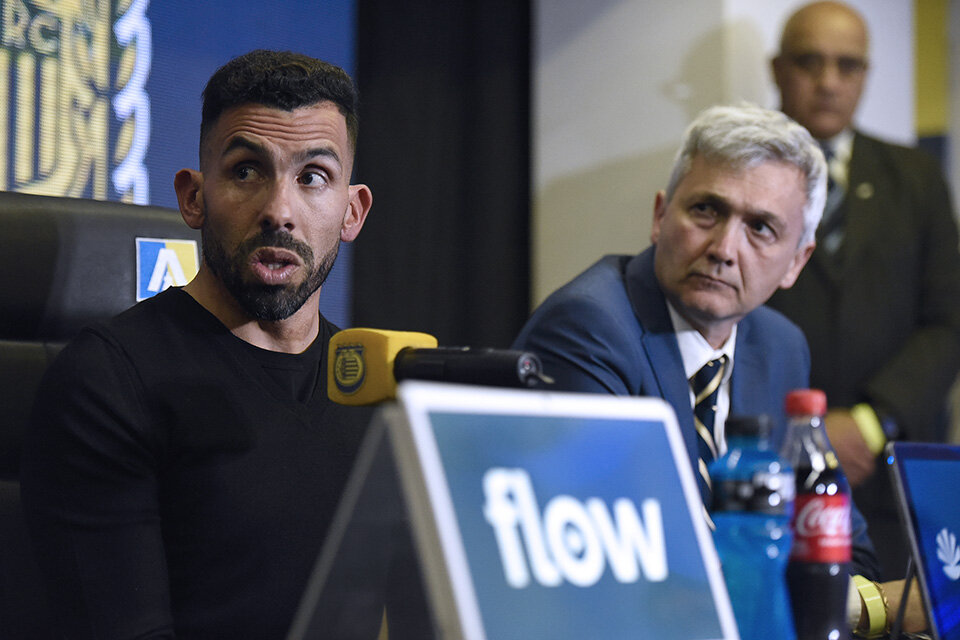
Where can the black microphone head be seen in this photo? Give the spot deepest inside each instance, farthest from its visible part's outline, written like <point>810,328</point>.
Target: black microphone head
<point>488,367</point>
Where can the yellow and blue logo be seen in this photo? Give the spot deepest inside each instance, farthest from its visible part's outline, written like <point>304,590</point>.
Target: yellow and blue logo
<point>349,368</point>
<point>164,263</point>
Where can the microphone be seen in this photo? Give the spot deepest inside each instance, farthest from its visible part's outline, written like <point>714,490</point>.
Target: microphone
<point>364,365</point>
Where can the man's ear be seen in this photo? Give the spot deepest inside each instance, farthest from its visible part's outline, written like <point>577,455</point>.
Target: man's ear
<point>659,210</point>
<point>796,265</point>
<point>361,199</point>
<point>188,185</point>
<point>776,67</point>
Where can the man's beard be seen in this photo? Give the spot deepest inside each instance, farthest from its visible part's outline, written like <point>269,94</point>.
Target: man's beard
<point>268,303</point>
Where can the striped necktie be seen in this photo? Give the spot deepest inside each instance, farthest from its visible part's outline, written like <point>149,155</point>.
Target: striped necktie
<point>830,231</point>
<point>828,156</point>
<point>706,388</point>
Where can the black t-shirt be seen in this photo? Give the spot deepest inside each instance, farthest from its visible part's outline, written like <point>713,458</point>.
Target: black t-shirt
<point>177,479</point>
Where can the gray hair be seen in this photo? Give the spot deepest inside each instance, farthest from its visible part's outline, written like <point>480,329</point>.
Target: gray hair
<point>745,136</point>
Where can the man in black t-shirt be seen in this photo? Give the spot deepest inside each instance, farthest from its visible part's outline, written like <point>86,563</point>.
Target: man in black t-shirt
<point>184,461</point>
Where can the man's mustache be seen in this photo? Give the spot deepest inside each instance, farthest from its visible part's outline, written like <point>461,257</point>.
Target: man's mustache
<point>280,240</point>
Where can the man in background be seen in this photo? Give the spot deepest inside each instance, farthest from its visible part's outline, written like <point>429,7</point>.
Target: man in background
<point>879,301</point>
<point>184,461</point>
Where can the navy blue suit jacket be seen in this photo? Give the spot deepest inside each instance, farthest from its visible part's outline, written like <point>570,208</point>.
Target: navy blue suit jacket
<point>609,331</point>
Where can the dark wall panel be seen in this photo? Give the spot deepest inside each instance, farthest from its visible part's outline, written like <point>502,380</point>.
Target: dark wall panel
<point>444,144</point>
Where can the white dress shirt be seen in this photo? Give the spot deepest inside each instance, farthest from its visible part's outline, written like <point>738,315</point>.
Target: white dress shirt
<point>696,352</point>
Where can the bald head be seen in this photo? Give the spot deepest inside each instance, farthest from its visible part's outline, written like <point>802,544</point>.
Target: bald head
<point>820,16</point>
<point>821,67</point>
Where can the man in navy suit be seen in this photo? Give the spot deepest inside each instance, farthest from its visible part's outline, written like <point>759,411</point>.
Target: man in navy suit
<point>736,222</point>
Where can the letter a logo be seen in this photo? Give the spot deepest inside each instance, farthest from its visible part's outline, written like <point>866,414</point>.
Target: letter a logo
<point>164,263</point>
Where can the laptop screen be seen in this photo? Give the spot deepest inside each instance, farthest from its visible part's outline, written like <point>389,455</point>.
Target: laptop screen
<point>927,478</point>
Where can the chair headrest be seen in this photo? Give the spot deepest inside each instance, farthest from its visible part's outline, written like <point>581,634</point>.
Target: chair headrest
<point>65,262</point>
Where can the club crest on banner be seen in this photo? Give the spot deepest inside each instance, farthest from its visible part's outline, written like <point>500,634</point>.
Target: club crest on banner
<point>76,115</point>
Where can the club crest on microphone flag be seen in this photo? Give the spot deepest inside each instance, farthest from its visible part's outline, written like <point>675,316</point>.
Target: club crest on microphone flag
<point>349,368</point>
<point>360,364</point>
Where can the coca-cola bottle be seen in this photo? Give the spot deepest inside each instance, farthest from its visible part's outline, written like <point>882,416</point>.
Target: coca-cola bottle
<point>818,570</point>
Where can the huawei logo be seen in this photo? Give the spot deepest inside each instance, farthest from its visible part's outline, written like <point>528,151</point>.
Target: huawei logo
<point>949,553</point>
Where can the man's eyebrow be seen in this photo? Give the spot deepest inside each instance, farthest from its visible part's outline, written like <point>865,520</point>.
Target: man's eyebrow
<point>723,206</point>
<point>769,217</point>
<point>716,201</point>
<point>242,142</point>
<point>319,152</point>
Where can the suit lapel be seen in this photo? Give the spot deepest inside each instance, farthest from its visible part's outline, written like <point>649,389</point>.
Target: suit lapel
<point>859,203</point>
<point>857,208</point>
<point>660,344</point>
<point>747,372</point>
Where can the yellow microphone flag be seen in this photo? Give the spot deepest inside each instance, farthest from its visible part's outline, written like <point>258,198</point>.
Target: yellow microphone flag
<point>360,363</point>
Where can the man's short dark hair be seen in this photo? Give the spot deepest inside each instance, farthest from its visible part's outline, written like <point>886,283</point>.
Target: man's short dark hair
<point>280,79</point>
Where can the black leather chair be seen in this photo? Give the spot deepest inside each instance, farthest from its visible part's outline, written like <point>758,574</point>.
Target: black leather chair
<point>64,262</point>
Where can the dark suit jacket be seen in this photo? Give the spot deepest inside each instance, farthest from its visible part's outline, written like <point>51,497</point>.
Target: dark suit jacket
<point>883,318</point>
<point>609,331</point>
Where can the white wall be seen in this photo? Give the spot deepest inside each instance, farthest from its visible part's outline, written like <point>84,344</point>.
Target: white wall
<point>617,81</point>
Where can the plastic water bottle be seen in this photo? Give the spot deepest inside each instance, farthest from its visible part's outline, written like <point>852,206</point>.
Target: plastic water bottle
<point>753,491</point>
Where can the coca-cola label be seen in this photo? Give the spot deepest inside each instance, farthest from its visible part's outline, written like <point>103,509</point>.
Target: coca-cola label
<point>821,528</point>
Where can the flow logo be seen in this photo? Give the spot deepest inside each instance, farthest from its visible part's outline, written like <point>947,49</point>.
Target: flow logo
<point>164,263</point>
<point>571,540</point>
<point>949,553</point>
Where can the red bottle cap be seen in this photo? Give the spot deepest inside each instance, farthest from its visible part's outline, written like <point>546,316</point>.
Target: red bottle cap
<point>806,402</point>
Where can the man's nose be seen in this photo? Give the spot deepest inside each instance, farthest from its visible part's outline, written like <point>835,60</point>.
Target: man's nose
<point>276,210</point>
<point>830,77</point>
<point>724,243</point>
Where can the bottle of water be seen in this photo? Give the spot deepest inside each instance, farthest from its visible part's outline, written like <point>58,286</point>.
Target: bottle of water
<point>753,490</point>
